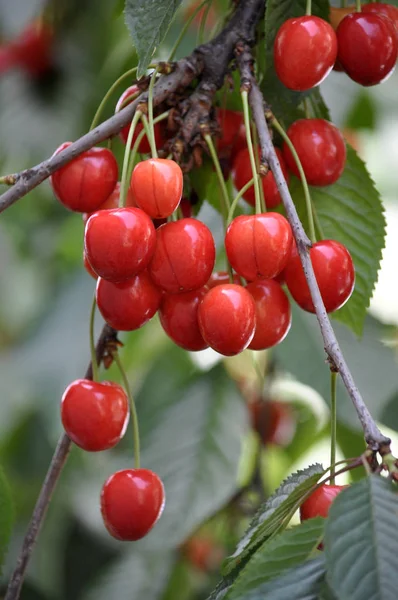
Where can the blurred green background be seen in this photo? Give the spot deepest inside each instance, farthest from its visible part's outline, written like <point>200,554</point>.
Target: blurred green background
<point>194,422</point>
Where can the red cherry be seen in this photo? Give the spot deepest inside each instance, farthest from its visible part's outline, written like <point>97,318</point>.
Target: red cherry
<point>273,314</point>
<point>321,149</point>
<point>368,47</point>
<point>274,421</point>
<point>132,501</point>
<point>87,181</point>
<point>227,318</point>
<point>334,272</point>
<point>128,305</point>
<point>221,277</point>
<point>258,246</point>
<point>157,186</point>
<point>388,10</point>
<point>119,242</point>
<point>184,256</point>
<point>179,318</point>
<point>242,174</point>
<point>232,127</point>
<point>88,267</point>
<point>32,49</point>
<point>94,415</point>
<point>318,504</point>
<point>305,51</point>
<point>204,553</point>
<point>113,201</point>
<point>144,146</point>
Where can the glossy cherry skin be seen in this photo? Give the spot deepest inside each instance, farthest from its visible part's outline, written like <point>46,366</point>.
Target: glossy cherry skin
<point>94,415</point>
<point>380,8</point>
<point>258,246</point>
<point>227,318</point>
<point>305,51</point>
<point>86,182</point>
<point>88,267</point>
<point>318,504</point>
<point>113,202</point>
<point>242,174</point>
<point>334,272</point>
<point>178,315</point>
<point>273,314</point>
<point>32,49</point>
<point>144,146</point>
<point>321,149</point>
<point>221,277</point>
<point>368,47</point>
<point>157,186</point>
<point>184,256</point>
<point>128,305</point>
<point>274,421</point>
<point>132,501</point>
<point>119,242</point>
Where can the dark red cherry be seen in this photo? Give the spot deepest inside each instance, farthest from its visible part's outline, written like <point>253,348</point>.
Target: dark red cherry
<point>227,318</point>
<point>274,421</point>
<point>305,51</point>
<point>119,242</point>
<point>184,256</point>
<point>318,504</point>
<point>113,201</point>
<point>368,47</point>
<point>144,146</point>
<point>128,305</point>
<point>94,415</point>
<point>334,272</point>
<point>242,174</point>
<point>87,181</point>
<point>273,314</point>
<point>32,49</point>
<point>321,149</point>
<point>179,318</point>
<point>157,186</point>
<point>380,8</point>
<point>132,501</point>
<point>258,246</point>
<point>233,135</point>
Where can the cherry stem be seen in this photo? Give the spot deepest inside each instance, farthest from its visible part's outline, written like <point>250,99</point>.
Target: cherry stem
<point>311,227</point>
<point>358,5</point>
<point>133,411</point>
<point>308,7</point>
<point>8,180</point>
<point>94,364</point>
<point>244,96</point>
<point>203,20</point>
<point>150,114</point>
<point>225,206</point>
<point>333,425</point>
<point>257,157</point>
<point>124,183</point>
<point>237,198</point>
<point>184,30</point>
<point>108,94</point>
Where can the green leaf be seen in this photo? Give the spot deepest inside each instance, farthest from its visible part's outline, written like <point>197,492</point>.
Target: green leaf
<point>148,22</point>
<point>282,552</point>
<point>6,516</point>
<point>270,516</point>
<point>350,211</point>
<point>361,545</point>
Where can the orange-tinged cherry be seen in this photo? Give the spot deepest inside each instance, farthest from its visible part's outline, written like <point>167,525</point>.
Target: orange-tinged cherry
<point>157,186</point>
<point>144,146</point>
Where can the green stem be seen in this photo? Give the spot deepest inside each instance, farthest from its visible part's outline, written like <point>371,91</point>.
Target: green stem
<point>201,35</point>
<point>358,5</point>
<point>148,135</point>
<point>224,192</point>
<point>304,183</point>
<point>257,196</point>
<point>257,157</point>
<point>150,114</point>
<point>123,183</point>
<point>184,30</point>
<point>237,198</point>
<point>94,364</point>
<point>134,417</point>
<point>108,94</point>
<point>333,419</point>
<point>308,7</point>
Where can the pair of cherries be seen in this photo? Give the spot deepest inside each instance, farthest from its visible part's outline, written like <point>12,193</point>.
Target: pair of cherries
<point>365,45</point>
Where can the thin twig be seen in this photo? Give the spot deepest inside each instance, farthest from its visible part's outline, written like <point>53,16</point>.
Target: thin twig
<point>373,436</point>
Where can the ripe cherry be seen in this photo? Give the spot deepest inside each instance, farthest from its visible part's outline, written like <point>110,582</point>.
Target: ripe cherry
<point>88,267</point>
<point>318,504</point>
<point>305,51</point>
<point>242,174</point>
<point>233,134</point>
<point>179,318</point>
<point>113,201</point>
<point>132,501</point>
<point>321,149</point>
<point>334,272</point>
<point>157,186</point>
<point>221,277</point>
<point>274,421</point>
<point>184,256</point>
<point>32,49</point>
<point>144,146</point>
<point>204,553</point>
<point>258,246</point>
<point>94,415</point>
<point>380,8</point>
<point>87,181</point>
<point>119,242</point>
<point>227,318</point>
<point>128,305</point>
<point>273,314</point>
<point>368,47</point>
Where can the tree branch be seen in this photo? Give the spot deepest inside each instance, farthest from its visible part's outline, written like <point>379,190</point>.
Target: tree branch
<point>373,436</point>
<point>107,336</point>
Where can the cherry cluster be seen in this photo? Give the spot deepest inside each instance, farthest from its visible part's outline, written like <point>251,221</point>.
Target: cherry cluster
<point>364,45</point>
<point>31,50</point>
